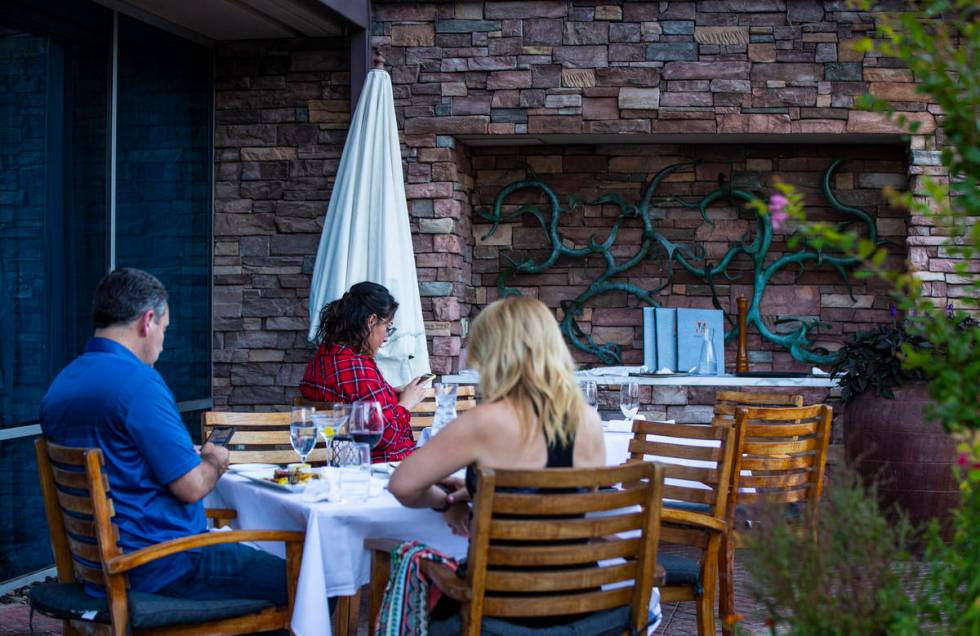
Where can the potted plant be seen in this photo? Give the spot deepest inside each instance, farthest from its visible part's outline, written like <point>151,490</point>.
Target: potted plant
<point>889,433</point>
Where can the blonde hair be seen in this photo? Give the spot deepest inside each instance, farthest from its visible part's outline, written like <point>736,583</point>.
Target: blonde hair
<point>517,347</point>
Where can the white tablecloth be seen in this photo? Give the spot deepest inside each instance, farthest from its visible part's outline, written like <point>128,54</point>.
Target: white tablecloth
<point>334,560</point>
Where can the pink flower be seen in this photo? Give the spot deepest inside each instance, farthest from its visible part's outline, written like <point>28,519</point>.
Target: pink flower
<point>778,218</point>
<point>964,460</point>
<point>777,203</point>
<point>777,210</point>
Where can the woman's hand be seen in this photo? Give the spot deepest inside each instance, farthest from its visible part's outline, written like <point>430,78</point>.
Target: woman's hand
<point>458,518</point>
<point>459,492</point>
<point>411,394</point>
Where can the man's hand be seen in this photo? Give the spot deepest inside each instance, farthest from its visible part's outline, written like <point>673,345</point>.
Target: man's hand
<point>198,482</point>
<point>217,456</point>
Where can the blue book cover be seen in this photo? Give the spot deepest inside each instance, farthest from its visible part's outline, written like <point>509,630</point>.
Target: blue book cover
<point>690,330</point>
<point>649,340</point>
<point>666,327</point>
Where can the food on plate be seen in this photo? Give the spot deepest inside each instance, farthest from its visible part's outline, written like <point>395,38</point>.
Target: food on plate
<point>293,475</point>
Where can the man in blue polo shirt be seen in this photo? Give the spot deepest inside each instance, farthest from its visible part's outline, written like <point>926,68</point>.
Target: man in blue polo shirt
<point>110,397</point>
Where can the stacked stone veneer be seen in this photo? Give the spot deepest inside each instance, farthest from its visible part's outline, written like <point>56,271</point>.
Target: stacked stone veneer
<point>281,116</point>
<point>747,67</point>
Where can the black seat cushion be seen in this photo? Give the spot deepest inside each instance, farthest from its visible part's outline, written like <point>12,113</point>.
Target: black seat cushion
<point>680,570</point>
<point>612,622</point>
<point>68,601</point>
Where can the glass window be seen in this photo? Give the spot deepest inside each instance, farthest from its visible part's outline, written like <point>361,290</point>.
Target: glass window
<point>25,546</point>
<point>163,189</point>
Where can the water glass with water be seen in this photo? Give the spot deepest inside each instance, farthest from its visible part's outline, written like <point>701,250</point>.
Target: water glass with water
<point>591,393</point>
<point>629,400</point>
<point>354,462</point>
<point>366,422</point>
<point>445,405</point>
<point>302,431</point>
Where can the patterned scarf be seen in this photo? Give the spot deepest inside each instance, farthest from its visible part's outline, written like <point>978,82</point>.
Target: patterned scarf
<point>408,598</point>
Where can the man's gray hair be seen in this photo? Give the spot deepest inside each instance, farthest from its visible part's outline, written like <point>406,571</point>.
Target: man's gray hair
<point>124,295</point>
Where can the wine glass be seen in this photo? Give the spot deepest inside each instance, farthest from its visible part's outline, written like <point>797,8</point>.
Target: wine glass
<point>591,393</point>
<point>328,422</point>
<point>302,432</point>
<point>366,422</point>
<point>629,401</point>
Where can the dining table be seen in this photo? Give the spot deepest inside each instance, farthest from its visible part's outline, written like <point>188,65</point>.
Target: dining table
<point>335,562</point>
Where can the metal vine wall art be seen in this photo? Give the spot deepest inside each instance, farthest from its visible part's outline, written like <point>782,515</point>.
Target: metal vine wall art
<point>755,245</point>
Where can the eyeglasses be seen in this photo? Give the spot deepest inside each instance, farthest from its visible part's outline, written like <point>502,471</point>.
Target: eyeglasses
<point>389,328</point>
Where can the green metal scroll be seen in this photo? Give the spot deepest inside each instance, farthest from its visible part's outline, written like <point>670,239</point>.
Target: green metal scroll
<point>693,259</point>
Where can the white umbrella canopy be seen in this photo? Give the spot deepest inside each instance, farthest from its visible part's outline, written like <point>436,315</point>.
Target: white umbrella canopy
<point>366,236</point>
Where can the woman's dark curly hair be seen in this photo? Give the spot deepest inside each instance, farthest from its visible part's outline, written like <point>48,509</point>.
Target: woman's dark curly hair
<point>345,320</point>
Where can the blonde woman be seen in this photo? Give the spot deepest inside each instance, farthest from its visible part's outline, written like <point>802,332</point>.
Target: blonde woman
<point>533,414</point>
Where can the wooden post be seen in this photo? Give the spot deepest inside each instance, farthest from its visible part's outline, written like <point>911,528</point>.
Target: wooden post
<point>742,354</point>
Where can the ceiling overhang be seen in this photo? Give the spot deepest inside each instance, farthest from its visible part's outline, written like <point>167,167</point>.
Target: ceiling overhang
<point>213,21</point>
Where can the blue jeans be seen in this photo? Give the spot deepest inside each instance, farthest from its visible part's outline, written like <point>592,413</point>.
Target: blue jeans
<point>232,570</point>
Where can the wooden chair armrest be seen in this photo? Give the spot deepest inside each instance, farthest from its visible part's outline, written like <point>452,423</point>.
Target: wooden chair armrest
<point>126,562</point>
<point>446,580</point>
<point>220,513</point>
<point>689,518</point>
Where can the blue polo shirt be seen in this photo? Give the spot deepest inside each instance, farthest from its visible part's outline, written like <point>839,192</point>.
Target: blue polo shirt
<point>108,398</point>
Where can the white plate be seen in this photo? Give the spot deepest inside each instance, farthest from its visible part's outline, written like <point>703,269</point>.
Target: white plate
<point>239,468</point>
<point>263,477</point>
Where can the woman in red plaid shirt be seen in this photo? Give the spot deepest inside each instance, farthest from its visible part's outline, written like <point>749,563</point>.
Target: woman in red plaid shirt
<point>352,329</point>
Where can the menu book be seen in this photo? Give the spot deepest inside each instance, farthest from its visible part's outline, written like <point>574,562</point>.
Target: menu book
<point>690,333</point>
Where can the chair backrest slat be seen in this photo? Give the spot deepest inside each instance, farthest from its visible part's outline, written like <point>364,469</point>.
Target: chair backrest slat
<point>679,451</point>
<point>564,554</point>
<point>510,581</point>
<point>259,437</point>
<point>556,605</point>
<point>539,535</point>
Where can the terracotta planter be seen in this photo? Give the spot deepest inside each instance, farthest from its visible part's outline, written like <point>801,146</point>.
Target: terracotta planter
<point>912,459</point>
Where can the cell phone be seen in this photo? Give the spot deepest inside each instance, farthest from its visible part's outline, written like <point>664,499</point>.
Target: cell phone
<point>221,435</point>
<point>426,377</point>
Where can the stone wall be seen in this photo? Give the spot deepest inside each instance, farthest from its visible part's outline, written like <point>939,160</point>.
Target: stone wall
<point>592,171</point>
<point>281,117</point>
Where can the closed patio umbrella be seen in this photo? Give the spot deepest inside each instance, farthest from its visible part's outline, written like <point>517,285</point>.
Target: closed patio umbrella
<point>366,236</point>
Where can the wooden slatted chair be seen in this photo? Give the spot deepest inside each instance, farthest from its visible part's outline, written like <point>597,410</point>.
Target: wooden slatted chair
<point>423,413</point>
<point>536,554</point>
<point>86,550</point>
<point>695,501</point>
<point>259,437</point>
<point>785,449</point>
<point>724,411</point>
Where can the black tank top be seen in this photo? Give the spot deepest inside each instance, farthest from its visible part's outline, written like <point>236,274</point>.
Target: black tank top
<point>559,456</point>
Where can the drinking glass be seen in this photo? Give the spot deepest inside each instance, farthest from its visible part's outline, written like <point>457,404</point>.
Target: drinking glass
<point>302,432</point>
<point>329,421</point>
<point>591,393</point>
<point>366,422</point>
<point>629,400</point>
<point>354,460</point>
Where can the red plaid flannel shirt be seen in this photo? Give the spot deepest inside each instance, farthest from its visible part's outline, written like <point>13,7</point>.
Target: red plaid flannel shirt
<point>340,374</point>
